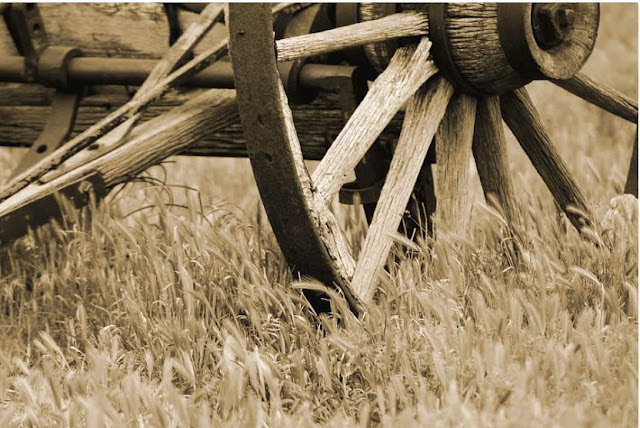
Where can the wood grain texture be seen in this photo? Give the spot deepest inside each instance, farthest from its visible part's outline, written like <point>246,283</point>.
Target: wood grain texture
<point>453,155</point>
<point>180,50</point>
<point>25,109</point>
<point>147,145</point>
<point>475,47</point>
<point>391,27</point>
<point>601,95</point>
<point>124,113</point>
<point>409,69</point>
<point>425,111</point>
<point>176,54</point>
<point>97,28</point>
<point>524,121</point>
<point>492,163</point>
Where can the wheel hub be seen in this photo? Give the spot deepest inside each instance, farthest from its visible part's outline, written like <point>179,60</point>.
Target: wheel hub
<point>489,48</point>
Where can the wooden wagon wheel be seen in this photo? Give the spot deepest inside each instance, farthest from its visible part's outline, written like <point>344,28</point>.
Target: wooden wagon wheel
<point>486,54</point>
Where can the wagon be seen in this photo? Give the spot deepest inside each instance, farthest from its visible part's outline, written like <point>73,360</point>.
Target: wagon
<point>379,89</point>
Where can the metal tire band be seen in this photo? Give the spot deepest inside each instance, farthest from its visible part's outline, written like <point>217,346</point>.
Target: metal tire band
<point>511,19</point>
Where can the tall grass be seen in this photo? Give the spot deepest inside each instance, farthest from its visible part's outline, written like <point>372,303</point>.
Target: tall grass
<point>173,307</point>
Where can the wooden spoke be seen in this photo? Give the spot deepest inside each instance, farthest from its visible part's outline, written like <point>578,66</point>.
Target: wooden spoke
<point>490,154</point>
<point>522,117</point>
<point>601,95</point>
<point>453,154</point>
<point>631,186</point>
<point>409,68</point>
<point>387,28</point>
<point>425,112</point>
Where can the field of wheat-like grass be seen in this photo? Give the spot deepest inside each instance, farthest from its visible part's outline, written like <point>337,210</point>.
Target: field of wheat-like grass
<point>174,307</point>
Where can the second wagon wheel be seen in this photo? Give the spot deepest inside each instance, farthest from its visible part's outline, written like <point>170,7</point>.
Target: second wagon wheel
<point>485,53</point>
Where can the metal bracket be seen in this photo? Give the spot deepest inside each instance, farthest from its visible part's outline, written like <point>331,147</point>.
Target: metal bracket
<point>27,31</point>
<point>53,72</point>
<point>17,223</point>
<point>309,20</point>
<point>353,193</point>
<point>56,131</point>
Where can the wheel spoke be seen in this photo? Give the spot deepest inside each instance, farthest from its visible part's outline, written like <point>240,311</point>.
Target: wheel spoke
<point>425,112</point>
<point>408,70</point>
<point>522,117</point>
<point>390,27</point>
<point>601,95</point>
<point>490,154</point>
<point>631,186</point>
<point>453,154</point>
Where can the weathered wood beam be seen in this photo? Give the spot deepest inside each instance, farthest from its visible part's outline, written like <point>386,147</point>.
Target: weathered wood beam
<point>408,70</point>
<point>601,95</point>
<point>524,120</point>
<point>406,24</point>
<point>492,163</point>
<point>25,108</point>
<point>425,111</point>
<point>453,156</point>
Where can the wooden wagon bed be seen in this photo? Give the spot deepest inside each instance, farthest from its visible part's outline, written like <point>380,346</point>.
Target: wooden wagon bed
<point>139,30</point>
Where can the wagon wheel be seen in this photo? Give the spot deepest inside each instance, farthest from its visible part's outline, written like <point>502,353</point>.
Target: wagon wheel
<point>486,54</point>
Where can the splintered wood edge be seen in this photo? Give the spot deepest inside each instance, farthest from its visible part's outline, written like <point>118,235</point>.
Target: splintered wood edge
<point>75,145</point>
<point>409,69</point>
<point>425,111</point>
<point>453,155</point>
<point>146,146</point>
<point>394,26</point>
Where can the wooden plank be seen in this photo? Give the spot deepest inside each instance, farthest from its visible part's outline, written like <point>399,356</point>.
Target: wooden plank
<point>409,69</point>
<point>99,28</point>
<point>124,113</point>
<point>318,123</point>
<point>133,30</point>
<point>492,163</point>
<point>425,111</point>
<point>406,24</point>
<point>453,155</point>
<point>147,145</point>
<point>601,95</point>
<point>522,117</point>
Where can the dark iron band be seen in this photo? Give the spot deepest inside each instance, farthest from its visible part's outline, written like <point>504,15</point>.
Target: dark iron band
<point>511,19</point>
<point>441,50</point>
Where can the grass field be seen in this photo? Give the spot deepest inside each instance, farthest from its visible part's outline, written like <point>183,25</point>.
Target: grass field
<point>174,306</point>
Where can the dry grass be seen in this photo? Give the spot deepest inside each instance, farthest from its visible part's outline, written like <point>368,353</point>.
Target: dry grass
<point>183,315</point>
